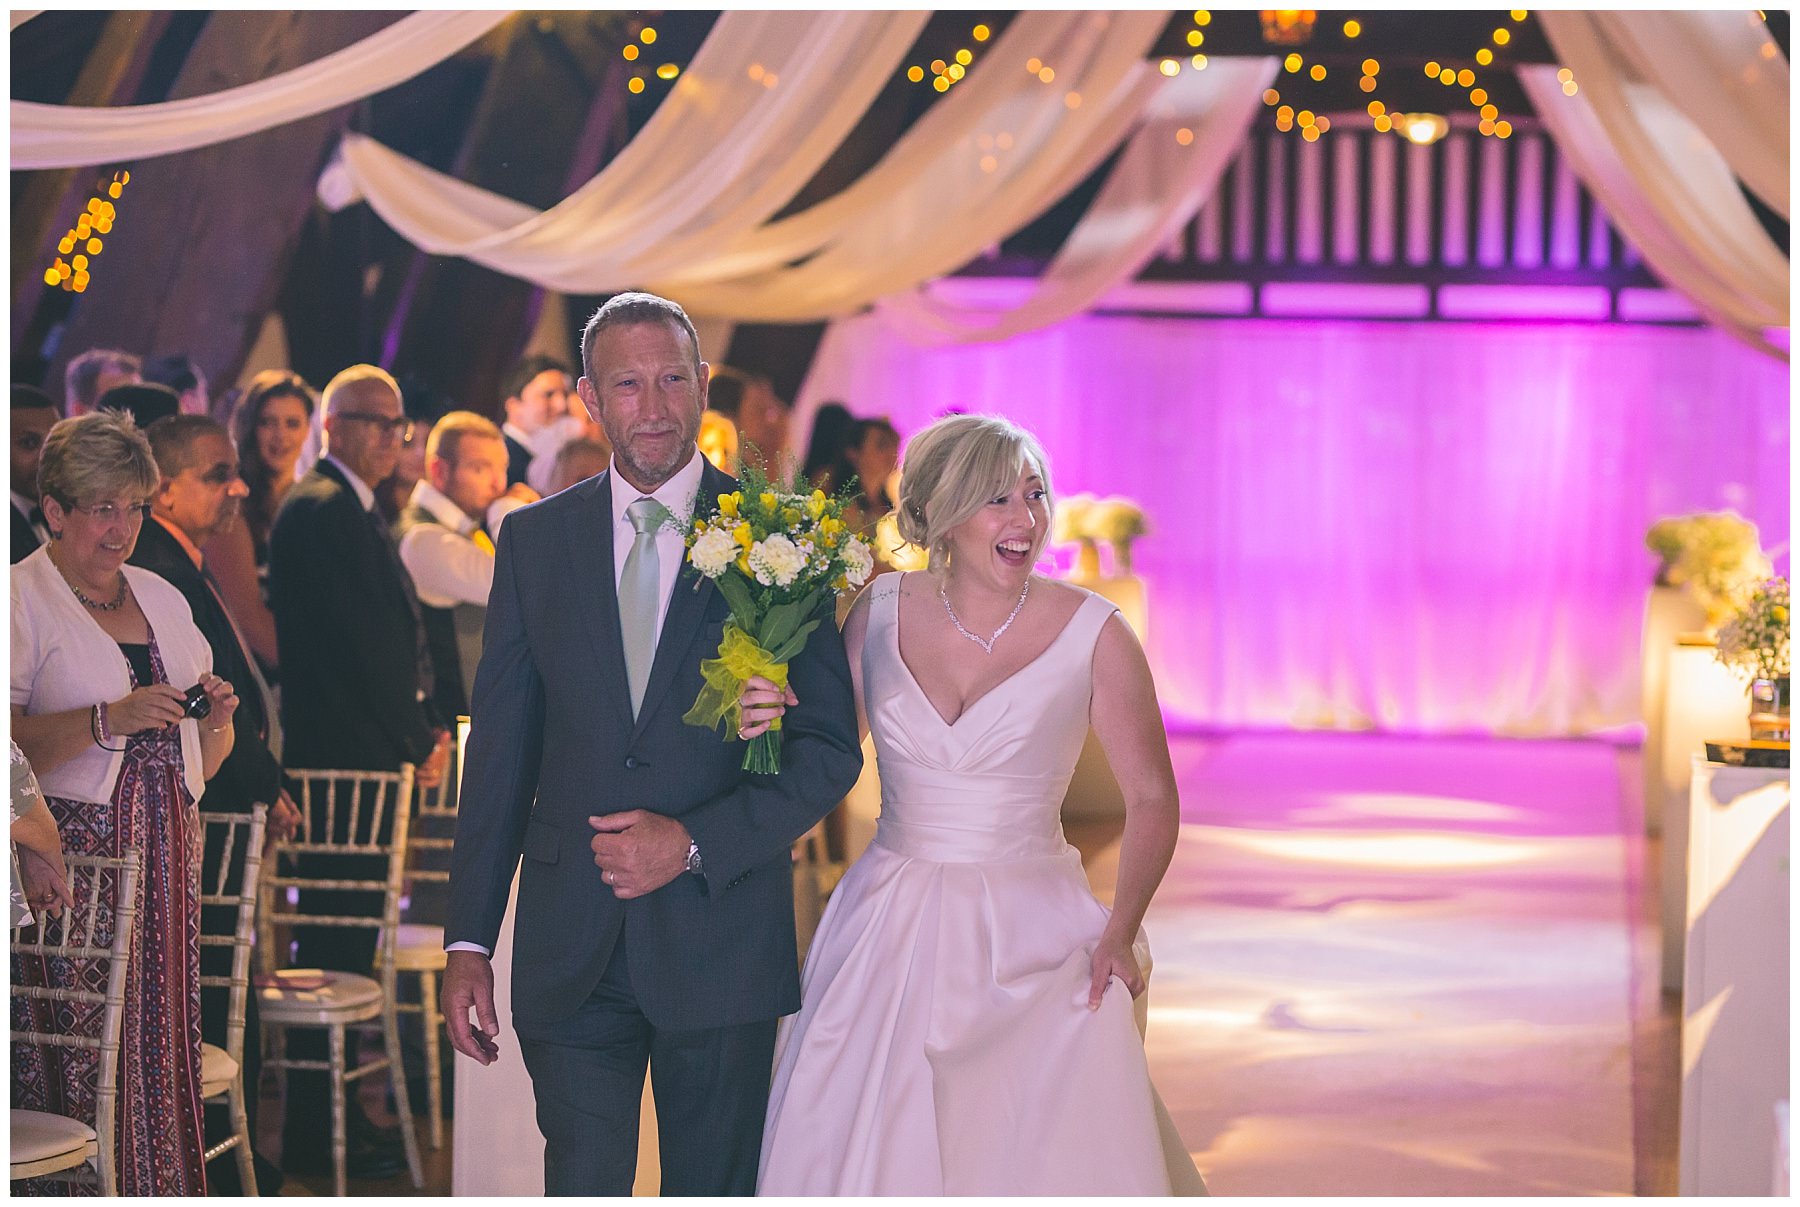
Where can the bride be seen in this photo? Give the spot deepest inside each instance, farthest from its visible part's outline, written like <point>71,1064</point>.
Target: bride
<point>966,1025</point>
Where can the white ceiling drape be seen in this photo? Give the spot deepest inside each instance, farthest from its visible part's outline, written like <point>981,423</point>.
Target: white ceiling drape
<point>1723,71</point>
<point>1661,180</point>
<point>1159,183</point>
<point>67,136</point>
<point>766,100</point>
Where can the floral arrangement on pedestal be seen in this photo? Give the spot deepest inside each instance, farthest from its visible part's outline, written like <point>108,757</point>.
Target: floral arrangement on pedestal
<point>894,550</point>
<point>1756,642</point>
<point>1715,555</point>
<point>1087,522</point>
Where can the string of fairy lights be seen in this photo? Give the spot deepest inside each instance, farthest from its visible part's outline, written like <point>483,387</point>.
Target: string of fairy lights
<point>1418,127</point>
<point>81,244</point>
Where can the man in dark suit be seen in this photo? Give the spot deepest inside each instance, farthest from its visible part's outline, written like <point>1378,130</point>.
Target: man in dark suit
<point>355,680</point>
<point>33,415</point>
<point>198,495</point>
<point>655,910</point>
<point>538,394</point>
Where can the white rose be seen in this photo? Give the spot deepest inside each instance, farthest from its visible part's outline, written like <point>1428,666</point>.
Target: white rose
<point>859,561</point>
<point>776,560</point>
<point>714,552</point>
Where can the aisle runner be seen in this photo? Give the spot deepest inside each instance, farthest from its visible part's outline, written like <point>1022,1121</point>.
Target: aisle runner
<point>1396,967</point>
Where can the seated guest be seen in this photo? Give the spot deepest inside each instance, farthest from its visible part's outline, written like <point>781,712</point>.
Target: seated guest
<point>33,413</point>
<point>143,402</point>
<point>102,654</point>
<point>577,461</point>
<point>355,688</point>
<point>270,426</point>
<point>177,371</point>
<point>447,546</point>
<point>95,372</point>
<point>198,495</point>
<point>718,441</point>
<point>540,394</point>
<point>833,425</point>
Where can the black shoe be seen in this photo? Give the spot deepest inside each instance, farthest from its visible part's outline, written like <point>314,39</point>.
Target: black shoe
<point>362,1160</point>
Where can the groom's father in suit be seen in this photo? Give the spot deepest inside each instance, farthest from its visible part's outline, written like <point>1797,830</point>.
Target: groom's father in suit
<point>655,909</point>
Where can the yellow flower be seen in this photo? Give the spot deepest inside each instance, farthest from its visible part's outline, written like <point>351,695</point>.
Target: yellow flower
<point>1778,612</point>
<point>728,504</point>
<point>790,516</point>
<point>831,527</point>
<point>768,500</point>
<point>815,506</point>
<point>743,536</point>
<point>840,583</point>
<point>743,563</point>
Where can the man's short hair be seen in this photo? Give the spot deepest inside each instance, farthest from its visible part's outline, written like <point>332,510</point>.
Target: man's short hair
<point>146,403</point>
<point>353,379</point>
<point>175,370</point>
<point>173,438</point>
<point>82,378</point>
<point>630,309</point>
<point>30,398</point>
<point>522,374</point>
<point>448,433</point>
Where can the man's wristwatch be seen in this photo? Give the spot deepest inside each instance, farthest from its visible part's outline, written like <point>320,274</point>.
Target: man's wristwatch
<point>693,859</point>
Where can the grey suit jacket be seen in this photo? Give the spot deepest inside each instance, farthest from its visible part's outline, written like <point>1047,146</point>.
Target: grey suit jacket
<point>553,742</point>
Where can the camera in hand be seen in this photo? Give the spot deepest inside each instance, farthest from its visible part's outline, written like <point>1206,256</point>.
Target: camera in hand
<point>196,703</point>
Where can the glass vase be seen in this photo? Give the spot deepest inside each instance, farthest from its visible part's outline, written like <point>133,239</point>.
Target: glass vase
<point>1769,703</point>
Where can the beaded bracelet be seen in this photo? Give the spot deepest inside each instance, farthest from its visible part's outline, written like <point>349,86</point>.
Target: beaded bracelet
<point>97,727</point>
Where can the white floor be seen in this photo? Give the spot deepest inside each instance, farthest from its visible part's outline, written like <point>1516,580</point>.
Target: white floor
<point>1393,966</point>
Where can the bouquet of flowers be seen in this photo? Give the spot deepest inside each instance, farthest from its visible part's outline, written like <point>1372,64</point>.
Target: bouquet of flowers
<point>779,556</point>
<point>1757,638</point>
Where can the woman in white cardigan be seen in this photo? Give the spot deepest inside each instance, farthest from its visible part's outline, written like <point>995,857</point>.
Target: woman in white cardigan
<point>102,656</point>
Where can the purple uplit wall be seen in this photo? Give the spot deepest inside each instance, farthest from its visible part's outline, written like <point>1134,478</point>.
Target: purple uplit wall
<point>1432,527</point>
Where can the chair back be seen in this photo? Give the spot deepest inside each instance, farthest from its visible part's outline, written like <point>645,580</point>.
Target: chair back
<point>238,839</point>
<point>363,813</point>
<point>82,936</point>
<point>432,835</point>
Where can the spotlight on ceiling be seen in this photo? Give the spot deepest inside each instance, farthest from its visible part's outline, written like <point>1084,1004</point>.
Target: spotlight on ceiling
<point>1422,128</point>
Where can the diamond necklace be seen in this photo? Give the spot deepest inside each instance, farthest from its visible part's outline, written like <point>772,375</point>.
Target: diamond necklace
<point>987,646</point>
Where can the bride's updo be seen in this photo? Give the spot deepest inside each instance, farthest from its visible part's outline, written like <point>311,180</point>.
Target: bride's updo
<point>951,470</point>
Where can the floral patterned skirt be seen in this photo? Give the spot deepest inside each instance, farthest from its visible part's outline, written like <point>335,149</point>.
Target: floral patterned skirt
<point>159,1141</point>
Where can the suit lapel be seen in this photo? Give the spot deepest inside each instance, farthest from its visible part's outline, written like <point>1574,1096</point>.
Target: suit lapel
<point>590,538</point>
<point>687,611</point>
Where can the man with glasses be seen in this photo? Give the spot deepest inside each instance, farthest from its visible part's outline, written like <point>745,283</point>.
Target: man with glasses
<point>355,687</point>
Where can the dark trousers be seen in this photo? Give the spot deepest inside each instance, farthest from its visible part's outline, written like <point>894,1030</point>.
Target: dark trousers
<point>587,1072</point>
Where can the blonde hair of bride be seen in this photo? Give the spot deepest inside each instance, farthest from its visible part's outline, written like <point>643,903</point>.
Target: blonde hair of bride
<point>951,470</point>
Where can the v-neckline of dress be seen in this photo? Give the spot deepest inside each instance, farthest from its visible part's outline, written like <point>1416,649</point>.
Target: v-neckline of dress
<point>978,701</point>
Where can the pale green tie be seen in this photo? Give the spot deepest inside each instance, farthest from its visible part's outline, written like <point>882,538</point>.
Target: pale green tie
<point>640,594</point>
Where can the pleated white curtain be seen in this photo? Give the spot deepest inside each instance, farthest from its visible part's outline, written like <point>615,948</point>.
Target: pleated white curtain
<point>1661,180</point>
<point>997,158</point>
<point>1724,71</point>
<point>1192,129</point>
<point>769,96</point>
<point>67,136</point>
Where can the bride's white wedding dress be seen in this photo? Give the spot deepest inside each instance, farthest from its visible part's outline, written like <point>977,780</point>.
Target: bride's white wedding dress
<point>945,1046</point>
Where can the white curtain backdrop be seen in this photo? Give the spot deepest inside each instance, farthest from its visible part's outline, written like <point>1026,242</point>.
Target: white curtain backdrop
<point>999,156</point>
<point>767,99</point>
<point>1724,71</point>
<point>66,136</point>
<point>1661,180</point>
<point>1160,182</point>
<point>1431,527</point>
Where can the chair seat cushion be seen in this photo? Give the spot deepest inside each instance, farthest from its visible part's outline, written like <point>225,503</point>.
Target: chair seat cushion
<point>419,948</point>
<point>312,995</point>
<point>216,1071</point>
<point>45,1143</point>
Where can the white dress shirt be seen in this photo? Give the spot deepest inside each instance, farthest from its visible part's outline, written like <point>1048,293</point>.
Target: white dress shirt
<point>447,566</point>
<point>363,490</point>
<point>677,494</point>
